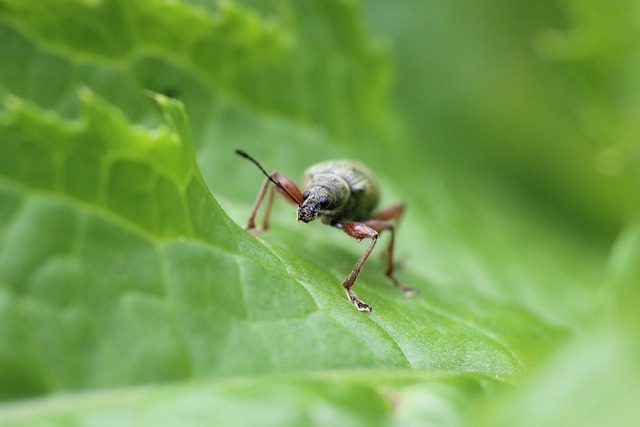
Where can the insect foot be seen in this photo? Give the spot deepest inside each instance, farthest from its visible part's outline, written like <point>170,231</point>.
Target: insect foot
<point>406,290</point>
<point>256,230</point>
<point>360,305</point>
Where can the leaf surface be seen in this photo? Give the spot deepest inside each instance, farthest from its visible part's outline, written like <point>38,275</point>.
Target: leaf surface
<point>130,294</point>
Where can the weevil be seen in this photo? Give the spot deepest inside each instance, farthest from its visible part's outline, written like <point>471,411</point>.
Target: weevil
<point>344,194</point>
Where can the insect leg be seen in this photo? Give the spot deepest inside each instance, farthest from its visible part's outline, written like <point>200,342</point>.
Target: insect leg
<point>392,212</point>
<point>290,187</point>
<point>251,222</point>
<point>358,231</point>
<point>380,226</point>
<point>285,182</point>
<point>267,209</point>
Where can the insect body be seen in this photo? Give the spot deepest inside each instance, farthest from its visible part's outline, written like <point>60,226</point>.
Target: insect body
<point>343,194</point>
<point>338,190</point>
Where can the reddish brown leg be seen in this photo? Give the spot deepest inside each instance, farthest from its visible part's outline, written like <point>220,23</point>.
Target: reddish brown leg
<point>393,212</point>
<point>371,229</point>
<point>267,209</point>
<point>251,222</point>
<point>291,187</point>
<point>358,231</point>
<point>380,226</point>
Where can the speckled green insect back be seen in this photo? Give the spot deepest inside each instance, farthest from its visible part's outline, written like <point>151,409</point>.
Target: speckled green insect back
<point>344,194</point>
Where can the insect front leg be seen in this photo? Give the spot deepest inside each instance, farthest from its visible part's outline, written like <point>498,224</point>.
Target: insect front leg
<point>251,222</point>
<point>358,231</point>
<point>285,182</point>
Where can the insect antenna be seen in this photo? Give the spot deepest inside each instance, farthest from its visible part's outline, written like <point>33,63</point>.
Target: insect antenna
<point>275,182</point>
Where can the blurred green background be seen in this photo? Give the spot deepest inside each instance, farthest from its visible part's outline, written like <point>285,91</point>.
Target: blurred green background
<point>542,95</point>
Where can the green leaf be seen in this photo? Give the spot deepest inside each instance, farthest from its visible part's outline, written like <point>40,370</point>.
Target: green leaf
<point>130,294</point>
<point>594,379</point>
<point>121,291</point>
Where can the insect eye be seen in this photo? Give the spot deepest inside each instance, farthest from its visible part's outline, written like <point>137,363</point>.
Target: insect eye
<point>305,195</point>
<point>324,202</point>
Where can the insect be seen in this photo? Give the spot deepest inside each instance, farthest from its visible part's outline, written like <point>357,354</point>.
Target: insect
<point>343,193</point>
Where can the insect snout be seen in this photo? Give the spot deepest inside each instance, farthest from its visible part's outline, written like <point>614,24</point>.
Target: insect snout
<point>306,213</point>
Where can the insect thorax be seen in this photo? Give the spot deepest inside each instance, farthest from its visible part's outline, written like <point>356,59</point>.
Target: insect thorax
<point>363,194</point>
